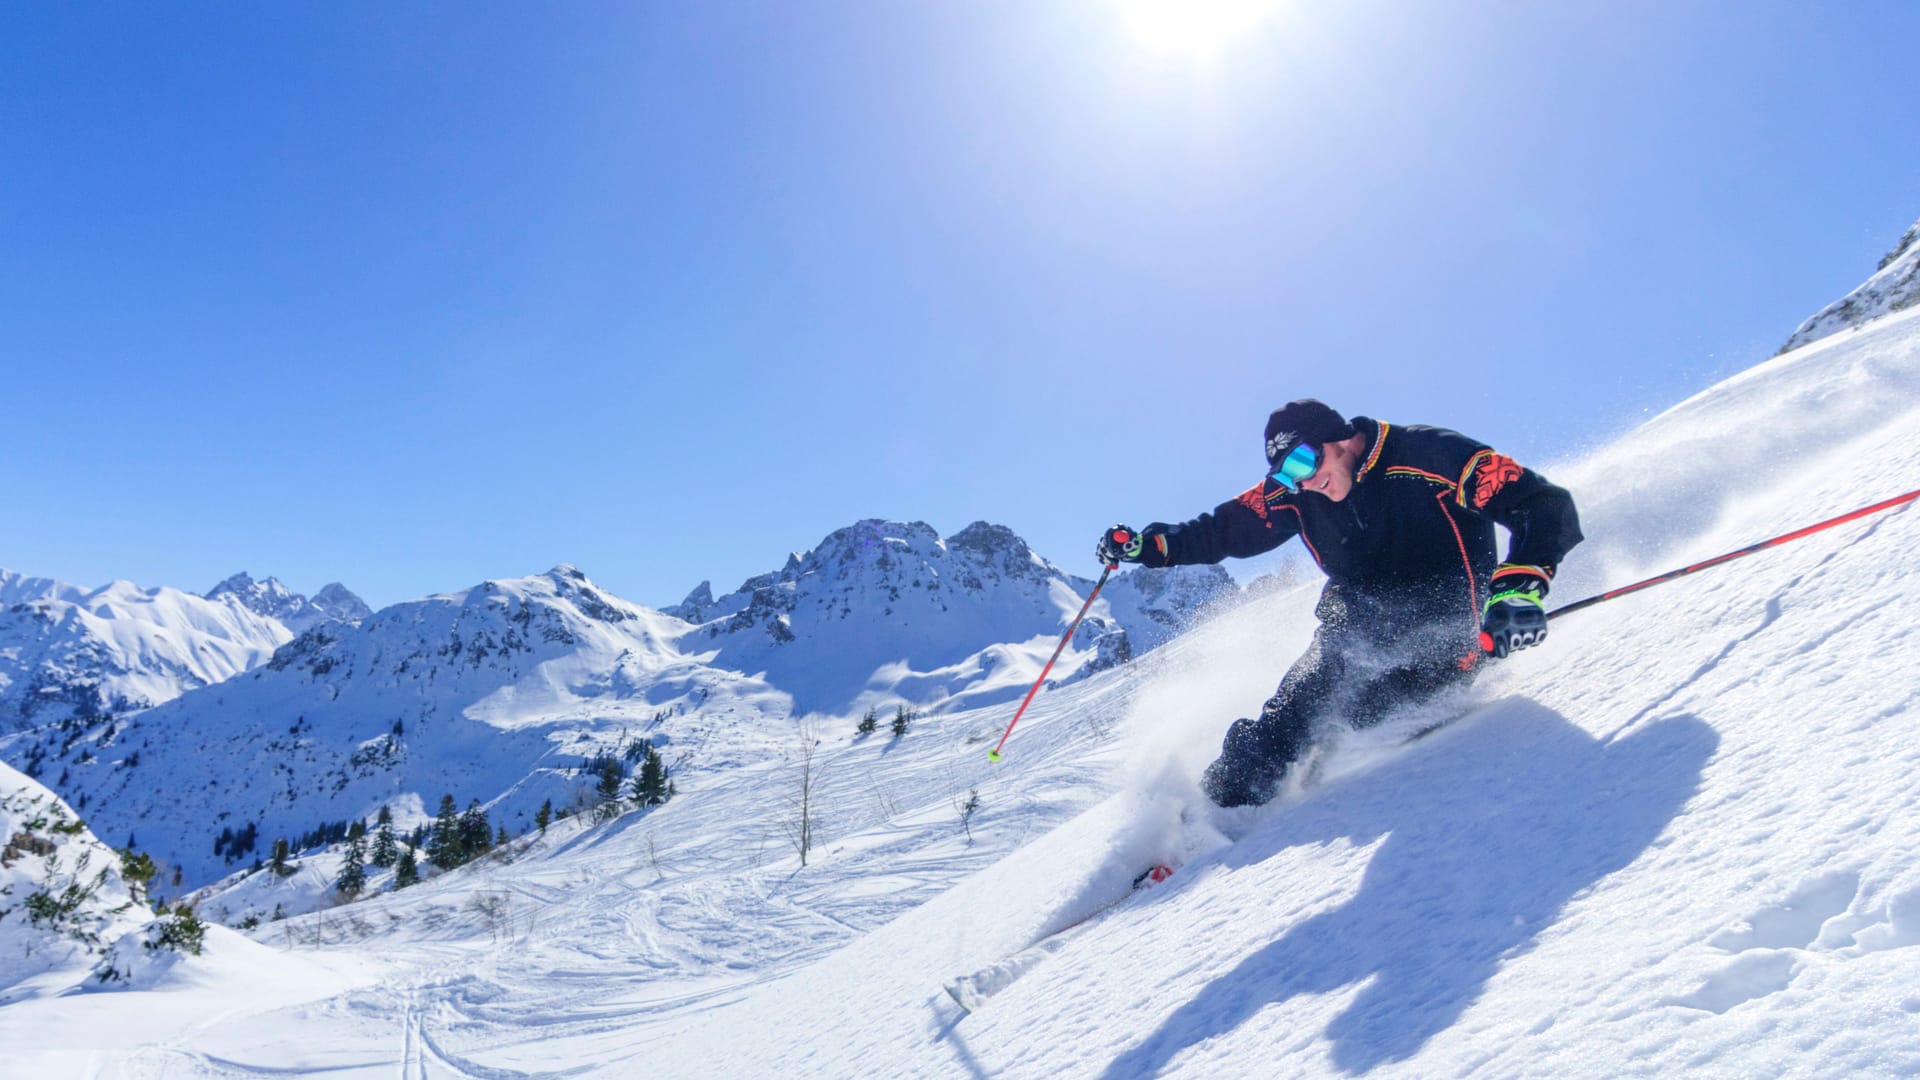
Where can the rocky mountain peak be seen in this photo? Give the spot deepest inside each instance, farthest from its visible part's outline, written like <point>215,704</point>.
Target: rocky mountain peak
<point>1894,286</point>
<point>996,546</point>
<point>273,599</point>
<point>575,587</point>
<point>695,607</point>
<point>256,595</point>
<point>340,603</point>
<point>866,538</point>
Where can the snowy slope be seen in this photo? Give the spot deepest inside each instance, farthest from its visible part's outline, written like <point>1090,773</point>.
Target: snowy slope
<point>74,927</point>
<point>63,899</point>
<point>1679,838</point>
<point>1895,286</point>
<point>67,651</point>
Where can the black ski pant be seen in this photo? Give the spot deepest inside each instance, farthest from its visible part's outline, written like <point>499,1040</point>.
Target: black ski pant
<point>1343,677</point>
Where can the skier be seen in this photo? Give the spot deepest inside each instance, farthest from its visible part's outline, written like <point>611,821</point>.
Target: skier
<point>1400,518</point>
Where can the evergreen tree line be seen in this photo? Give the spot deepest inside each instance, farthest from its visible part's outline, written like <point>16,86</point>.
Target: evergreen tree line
<point>903,719</point>
<point>328,833</point>
<point>453,838</point>
<point>235,846</point>
<point>651,784</point>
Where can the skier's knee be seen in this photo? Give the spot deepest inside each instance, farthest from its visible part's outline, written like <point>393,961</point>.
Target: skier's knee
<point>1253,757</point>
<point>1231,783</point>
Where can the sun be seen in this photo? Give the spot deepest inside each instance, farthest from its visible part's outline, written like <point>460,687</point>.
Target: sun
<point>1195,28</point>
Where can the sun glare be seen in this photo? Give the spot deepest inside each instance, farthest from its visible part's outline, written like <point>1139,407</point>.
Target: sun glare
<point>1194,28</point>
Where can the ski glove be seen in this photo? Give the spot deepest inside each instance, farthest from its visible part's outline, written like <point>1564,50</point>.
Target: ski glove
<point>1118,544</point>
<point>1513,618</point>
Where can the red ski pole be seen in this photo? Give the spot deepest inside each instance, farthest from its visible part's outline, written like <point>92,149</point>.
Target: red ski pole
<point>1120,536</point>
<point>1865,511</point>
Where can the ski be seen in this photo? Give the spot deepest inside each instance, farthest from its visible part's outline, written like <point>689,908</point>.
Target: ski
<point>972,991</point>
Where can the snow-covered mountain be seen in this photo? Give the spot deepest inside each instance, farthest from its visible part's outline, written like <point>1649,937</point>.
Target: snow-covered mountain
<point>70,652</point>
<point>493,693</point>
<point>1895,286</point>
<point>333,603</point>
<point>887,610</point>
<point>502,692</point>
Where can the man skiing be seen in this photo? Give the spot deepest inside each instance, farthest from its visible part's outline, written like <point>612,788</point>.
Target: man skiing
<point>1401,520</point>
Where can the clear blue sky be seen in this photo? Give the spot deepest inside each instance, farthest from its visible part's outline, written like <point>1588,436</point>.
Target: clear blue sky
<point>415,295</point>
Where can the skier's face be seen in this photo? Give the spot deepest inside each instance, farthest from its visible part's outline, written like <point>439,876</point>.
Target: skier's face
<point>1338,461</point>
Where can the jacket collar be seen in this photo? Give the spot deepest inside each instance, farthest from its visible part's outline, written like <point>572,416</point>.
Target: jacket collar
<point>1376,432</point>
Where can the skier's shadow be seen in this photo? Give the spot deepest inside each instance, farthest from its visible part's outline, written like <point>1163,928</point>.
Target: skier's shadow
<point>1462,883</point>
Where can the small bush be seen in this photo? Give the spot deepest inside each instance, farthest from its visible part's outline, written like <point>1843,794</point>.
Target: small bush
<point>181,931</point>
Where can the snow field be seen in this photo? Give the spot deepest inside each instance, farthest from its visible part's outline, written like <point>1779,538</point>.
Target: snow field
<point>1677,839</point>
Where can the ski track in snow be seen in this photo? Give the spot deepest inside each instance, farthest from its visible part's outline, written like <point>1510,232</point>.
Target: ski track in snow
<point>1677,839</point>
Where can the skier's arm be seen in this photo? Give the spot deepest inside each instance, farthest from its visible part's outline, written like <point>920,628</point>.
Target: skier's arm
<point>1539,514</point>
<point>1251,524</point>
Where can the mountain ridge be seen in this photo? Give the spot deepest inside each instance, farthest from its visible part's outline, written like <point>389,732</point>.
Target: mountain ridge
<point>502,691</point>
<point>333,603</point>
<point>1894,287</point>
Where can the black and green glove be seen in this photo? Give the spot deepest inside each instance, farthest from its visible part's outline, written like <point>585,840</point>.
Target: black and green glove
<point>1118,544</point>
<point>1513,617</point>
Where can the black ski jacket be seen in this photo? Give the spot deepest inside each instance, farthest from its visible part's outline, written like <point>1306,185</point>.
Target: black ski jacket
<point>1412,545</point>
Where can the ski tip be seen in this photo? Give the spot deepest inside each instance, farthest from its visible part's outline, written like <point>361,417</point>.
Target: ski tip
<point>1153,875</point>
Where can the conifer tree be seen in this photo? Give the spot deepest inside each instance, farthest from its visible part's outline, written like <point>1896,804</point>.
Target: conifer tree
<point>608,787</point>
<point>544,815</point>
<point>138,869</point>
<point>870,722</point>
<point>476,832</point>
<point>444,849</point>
<point>353,872</point>
<point>650,785</point>
<point>386,848</point>
<point>902,720</point>
<point>407,871</point>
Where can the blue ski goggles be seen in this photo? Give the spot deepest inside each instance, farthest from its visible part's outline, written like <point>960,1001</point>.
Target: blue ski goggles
<point>1298,466</point>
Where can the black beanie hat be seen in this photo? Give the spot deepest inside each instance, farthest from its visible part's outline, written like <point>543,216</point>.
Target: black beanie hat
<point>1303,421</point>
